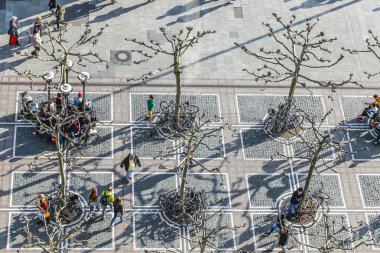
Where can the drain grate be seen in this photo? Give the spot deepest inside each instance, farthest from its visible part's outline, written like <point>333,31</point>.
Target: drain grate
<point>238,12</point>
<point>121,57</point>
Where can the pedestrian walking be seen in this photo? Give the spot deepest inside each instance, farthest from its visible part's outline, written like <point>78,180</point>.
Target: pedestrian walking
<point>280,222</point>
<point>60,14</point>
<point>283,240</point>
<point>106,199</point>
<point>12,32</point>
<point>93,200</point>
<point>117,208</point>
<point>43,213</point>
<point>35,39</point>
<point>130,163</point>
<point>37,23</point>
<point>150,105</point>
<point>52,6</point>
<point>294,201</point>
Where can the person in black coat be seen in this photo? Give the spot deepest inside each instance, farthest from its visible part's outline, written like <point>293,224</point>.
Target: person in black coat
<point>283,240</point>
<point>12,31</point>
<point>294,201</point>
<point>52,6</point>
<point>130,163</point>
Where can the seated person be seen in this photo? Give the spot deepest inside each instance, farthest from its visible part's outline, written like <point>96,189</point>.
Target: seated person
<point>376,128</point>
<point>371,110</point>
<point>74,129</point>
<point>79,100</point>
<point>58,99</point>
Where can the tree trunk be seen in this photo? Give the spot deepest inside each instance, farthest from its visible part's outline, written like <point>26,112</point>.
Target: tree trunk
<point>177,73</point>
<point>61,162</point>
<point>185,172</point>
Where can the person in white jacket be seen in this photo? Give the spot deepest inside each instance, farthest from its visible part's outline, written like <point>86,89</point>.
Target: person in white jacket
<point>35,39</point>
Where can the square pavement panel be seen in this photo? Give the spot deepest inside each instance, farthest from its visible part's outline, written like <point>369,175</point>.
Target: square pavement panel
<point>317,236</point>
<point>27,186</point>
<point>330,184</point>
<point>211,147</point>
<point>147,187</point>
<point>263,222</point>
<point>265,189</point>
<point>253,108</point>
<point>147,144</point>
<point>362,147</point>
<point>223,239</point>
<point>207,103</point>
<point>94,234</point>
<point>17,235</point>
<point>258,145</point>
<point>369,189</point>
<point>29,144</point>
<point>102,101</point>
<point>352,106</point>
<point>153,233</point>
<point>82,183</point>
<point>302,151</point>
<point>374,225</point>
<point>216,187</point>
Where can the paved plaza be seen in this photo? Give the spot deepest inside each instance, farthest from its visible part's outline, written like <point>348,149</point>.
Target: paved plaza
<point>250,188</point>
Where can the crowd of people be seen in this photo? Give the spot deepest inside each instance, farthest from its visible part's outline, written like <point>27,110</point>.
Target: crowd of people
<point>371,112</point>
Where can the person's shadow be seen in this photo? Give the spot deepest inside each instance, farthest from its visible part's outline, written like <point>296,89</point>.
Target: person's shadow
<point>313,3</point>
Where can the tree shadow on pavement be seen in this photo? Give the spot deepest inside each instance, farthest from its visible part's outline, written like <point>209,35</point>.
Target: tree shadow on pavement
<point>196,15</point>
<point>314,3</point>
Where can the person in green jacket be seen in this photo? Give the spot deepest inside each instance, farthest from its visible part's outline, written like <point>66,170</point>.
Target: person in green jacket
<point>150,104</point>
<point>106,199</point>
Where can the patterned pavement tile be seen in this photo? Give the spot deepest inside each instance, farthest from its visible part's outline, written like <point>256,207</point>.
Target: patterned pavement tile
<point>82,183</point>
<point>362,145</point>
<point>253,108</point>
<point>330,185</point>
<point>208,104</point>
<point>94,233</point>
<point>224,239</point>
<point>317,235</point>
<point>212,147</point>
<point>265,189</point>
<point>374,224</point>
<point>263,223</point>
<point>147,187</point>
<point>370,188</point>
<point>301,149</point>
<point>258,145</point>
<point>147,144</point>
<point>102,101</point>
<point>352,106</point>
<point>18,238</point>
<point>152,233</point>
<point>29,144</point>
<point>27,186</point>
<point>215,186</point>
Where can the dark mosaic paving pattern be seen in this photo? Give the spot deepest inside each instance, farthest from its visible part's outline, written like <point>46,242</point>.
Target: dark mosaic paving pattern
<point>82,183</point>
<point>211,147</point>
<point>30,144</point>
<point>266,189</point>
<point>208,104</point>
<point>352,107</point>
<point>147,187</point>
<point>374,224</point>
<point>252,108</point>
<point>151,232</point>
<point>370,188</point>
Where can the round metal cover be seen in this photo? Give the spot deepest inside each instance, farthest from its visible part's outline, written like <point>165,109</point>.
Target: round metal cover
<point>121,57</point>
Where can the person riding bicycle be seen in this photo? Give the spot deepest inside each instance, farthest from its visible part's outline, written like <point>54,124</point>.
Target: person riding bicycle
<point>294,201</point>
<point>371,110</point>
<point>280,222</point>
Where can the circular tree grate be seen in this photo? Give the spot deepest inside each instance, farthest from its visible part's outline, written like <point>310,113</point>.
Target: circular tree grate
<point>121,57</point>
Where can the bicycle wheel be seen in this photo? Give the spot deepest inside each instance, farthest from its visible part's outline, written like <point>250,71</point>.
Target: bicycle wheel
<point>323,195</point>
<point>191,109</point>
<point>164,106</point>
<point>306,220</point>
<point>297,120</point>
<point>311,205</point>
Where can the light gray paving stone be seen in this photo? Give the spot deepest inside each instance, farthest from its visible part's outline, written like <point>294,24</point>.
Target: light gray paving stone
<point>27,186</point>
<point>330,185</point>
<point>152,232</point>
<point>266,189</point>
<point>147,187</point>
<point>208,104</point>
<point>258,145</point>
<point>253,108</point>
<point>82,183</point>
<point>210,147</point>
<point>370,188</point>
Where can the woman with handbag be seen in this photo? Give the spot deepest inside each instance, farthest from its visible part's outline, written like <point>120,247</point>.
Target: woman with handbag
<point>12,32</point>
<point>42,205</point>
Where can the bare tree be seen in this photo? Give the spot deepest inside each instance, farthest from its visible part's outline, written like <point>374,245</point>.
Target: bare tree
<point>179,44</point>
<point>299,51</point>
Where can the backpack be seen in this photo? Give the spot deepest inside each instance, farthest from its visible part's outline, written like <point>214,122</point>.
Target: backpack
<point>104,200</point>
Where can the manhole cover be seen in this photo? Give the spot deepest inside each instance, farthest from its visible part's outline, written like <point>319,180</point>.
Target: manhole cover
<point>121,57</point>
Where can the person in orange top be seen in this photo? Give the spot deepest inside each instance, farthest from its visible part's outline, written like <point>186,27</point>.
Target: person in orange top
<point>371,109</point>
<point>43,205</point>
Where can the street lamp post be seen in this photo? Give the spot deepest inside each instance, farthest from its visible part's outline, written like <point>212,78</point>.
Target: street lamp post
<point>48,77</point>
<point>65,90</point>
<point>68,65</point>
<point>84,77</point>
